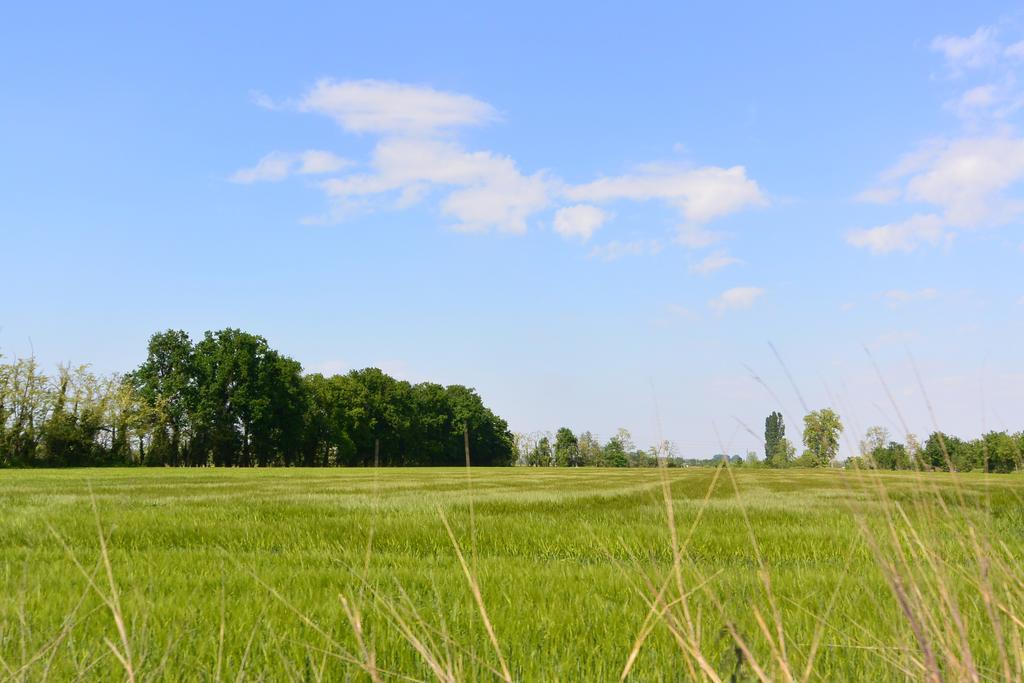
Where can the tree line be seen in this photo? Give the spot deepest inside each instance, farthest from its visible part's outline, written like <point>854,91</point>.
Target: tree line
<point>229,399</point>
<point>566,449</point>
<point>994,451</point>
<point>821,435</point>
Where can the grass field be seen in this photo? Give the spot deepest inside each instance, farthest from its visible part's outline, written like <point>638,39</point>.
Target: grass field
<point>266,574</point>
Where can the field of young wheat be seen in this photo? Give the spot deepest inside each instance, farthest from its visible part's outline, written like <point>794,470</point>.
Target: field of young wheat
<point>521,574</point>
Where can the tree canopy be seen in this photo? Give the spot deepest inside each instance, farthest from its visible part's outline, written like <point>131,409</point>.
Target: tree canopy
<point>229,399</point>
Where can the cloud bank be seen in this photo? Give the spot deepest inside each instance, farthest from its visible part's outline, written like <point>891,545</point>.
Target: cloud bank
<point>418,159</point>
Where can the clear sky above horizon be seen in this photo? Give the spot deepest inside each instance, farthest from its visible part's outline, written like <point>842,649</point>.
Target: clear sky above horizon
<point>598,215</point>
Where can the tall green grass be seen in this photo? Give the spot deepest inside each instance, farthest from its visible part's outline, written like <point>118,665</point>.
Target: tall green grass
<point>517,574</point>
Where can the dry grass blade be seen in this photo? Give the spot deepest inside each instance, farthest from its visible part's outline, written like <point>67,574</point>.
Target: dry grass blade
<point>124,655</point>
<point>477,596</point>
<point>368,658</point>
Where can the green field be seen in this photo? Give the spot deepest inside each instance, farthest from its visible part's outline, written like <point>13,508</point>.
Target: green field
<point>246,574</point>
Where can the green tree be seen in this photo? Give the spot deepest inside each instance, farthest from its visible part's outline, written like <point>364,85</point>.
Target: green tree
<point>1000,452</point>
<point>167,383</point>
<point>892,456</point>
<point>567,448</point>
<point>774,435</point>
<point>821,437</point>
<point>614,454</point>
<point>941,451</point>
<point>591,451</point>
<point>874,439</point>
<point>540,456</point>
<point>250,408</point>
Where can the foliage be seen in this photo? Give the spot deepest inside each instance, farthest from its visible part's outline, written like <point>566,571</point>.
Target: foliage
<point>231,400</point>
<point>821,436</point>
<point>567,448</point>
<point>775,452</point>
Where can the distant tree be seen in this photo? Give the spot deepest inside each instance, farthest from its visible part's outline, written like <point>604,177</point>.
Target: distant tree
<point>665,453</point>
<point>874,439</point>
<point>523,444</point>
<point>567,448</point>
<point>784,455</point>
<point>541,455</point>
<point>892,456</point>
<point>914,452</point>
<point>614,453</point>
<point>625,439</point>
<point>774,434</point>
<point>590,450</point>
<point>1000,452</point>
<point>167,383</point>
<point>250,402</point>
<point>942,451</point>
<point>821,437</point>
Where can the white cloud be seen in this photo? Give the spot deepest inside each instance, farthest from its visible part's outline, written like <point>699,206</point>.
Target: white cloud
<point>967,177</point>
<point>371,106</point>
<point>978,49</point>
<point>736,298</point>
<point>581,221</point>
<point>490,190</point>
<point>277,166</point>
<point>900,297</point>
<point>905,236</point>
<point>714,261</point>
<point>262,100</point>
<point>967,182</point>
<point>970,181</point>
<point>504,202</point>
<point>315,161</point>
<point>979,96</point>
<point>700,194</point>
<point>418,157</point>
<point>615,250</point>
<point>273,167</point>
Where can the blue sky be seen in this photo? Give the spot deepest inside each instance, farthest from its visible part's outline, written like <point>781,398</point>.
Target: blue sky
<point>598,215</point>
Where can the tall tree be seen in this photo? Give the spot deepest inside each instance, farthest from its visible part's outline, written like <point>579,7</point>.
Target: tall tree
<point>591,452</point>
<point>821,436</point>
<point>540,456</point>
<point>774,434</point>
<point>567,448</point>
<point>615,451</point>
<point>167,383</point>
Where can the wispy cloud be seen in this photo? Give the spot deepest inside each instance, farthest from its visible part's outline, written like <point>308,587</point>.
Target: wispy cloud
<point>487,190</point>
<point>972,181</point>
<point>714,261</point>
<point>418,157</point>
<point>580,221</point>
<point>736,298</point>
<point>370,106</point>
<point>699,194</point>
<point>968,52</point>
<point>278,166</point>
<point>901,297</point>
<point>904,236</point>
